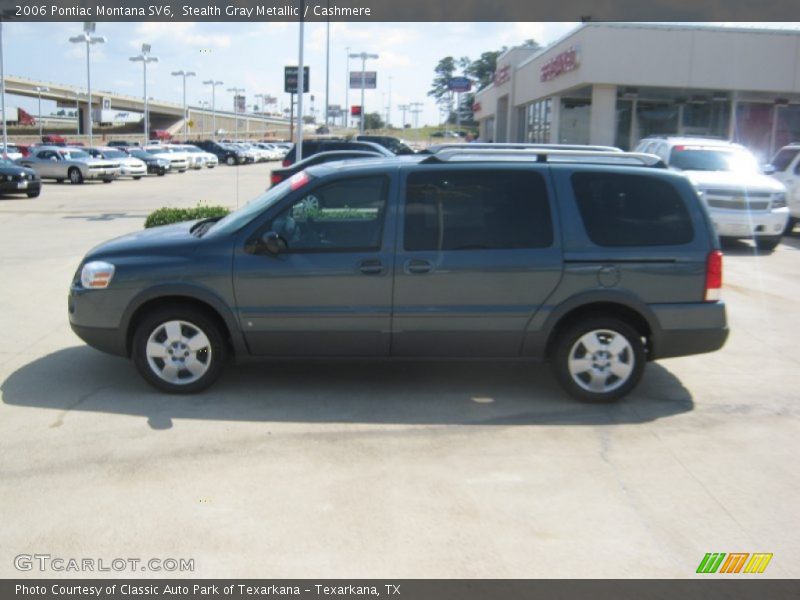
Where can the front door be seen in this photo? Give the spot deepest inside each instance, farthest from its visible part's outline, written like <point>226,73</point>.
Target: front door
<point>329,292</point>
<point>477,256</point>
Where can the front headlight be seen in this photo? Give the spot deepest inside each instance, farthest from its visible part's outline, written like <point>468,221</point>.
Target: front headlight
<point>779,200</point>
<point>97,274</point>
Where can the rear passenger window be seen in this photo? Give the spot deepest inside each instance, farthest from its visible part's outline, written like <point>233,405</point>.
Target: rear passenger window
<point>477,210</point>
<point>631,210</point>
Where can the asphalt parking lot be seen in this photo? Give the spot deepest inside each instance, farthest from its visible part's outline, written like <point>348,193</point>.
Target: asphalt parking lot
<point>402,470</point>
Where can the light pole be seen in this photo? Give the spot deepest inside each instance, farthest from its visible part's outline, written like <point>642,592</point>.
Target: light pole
<point>264,98</point>
<point>203,104</point>
<point>363,56</point>
<point>403,108</point>
<point>236,91</point>
<point>78,112</point>
<point>184,74</point>
<point>88,38</point>
<point>389,104</point>
<point>144,58</point>
<point>3,93</point>
<point>39,89</point>
<point>347,89</point>
<point>327,65</point>
<point>416,108</point>
<point>213,85</point>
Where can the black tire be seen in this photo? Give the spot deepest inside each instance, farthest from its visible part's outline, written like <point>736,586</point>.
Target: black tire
<point>75,175</point>
<point>768,242</point>
<point>137,177</point>
<point>230,161</point>
<point>34,194</point>
<point>107,180</point>
<point>162,172</point>
<point>198,319</point>
<point>59,181</point>
<point>633,356</point>
<point>790,226</point>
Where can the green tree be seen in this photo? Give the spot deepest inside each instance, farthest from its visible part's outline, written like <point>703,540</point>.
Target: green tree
<point>373,121</point>
<point>482,70</point>
<point>443,73</point>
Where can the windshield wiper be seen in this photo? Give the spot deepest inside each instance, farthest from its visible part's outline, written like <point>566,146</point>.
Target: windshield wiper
<point>200,228</point>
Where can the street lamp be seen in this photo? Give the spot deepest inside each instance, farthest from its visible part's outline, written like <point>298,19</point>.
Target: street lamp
<point>88,38</point>
<point>213,85</point>
<point>236,91</point>
<point>184,75</point>
<point>145,57</point>
<point>363,56</point>
<point>39,89</point>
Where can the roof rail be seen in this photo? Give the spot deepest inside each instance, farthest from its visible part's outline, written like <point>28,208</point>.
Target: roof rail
<point>545,156</point>
<point>517,146</point>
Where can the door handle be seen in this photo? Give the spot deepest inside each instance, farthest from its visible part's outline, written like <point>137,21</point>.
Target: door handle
<point>418,266</point>
<point>371,267</point>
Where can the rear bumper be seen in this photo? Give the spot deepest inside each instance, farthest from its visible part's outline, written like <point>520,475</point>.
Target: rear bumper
<point>686,329</point>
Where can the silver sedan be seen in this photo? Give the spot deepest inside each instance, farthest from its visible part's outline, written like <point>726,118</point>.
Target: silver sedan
<point>60,163</point>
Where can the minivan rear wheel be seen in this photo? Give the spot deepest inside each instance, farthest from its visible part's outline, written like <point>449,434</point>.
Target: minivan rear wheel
<point>599,359</point>
<point>179,350</point>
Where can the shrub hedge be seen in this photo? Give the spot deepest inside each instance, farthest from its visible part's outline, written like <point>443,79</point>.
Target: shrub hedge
<point>165,216</point>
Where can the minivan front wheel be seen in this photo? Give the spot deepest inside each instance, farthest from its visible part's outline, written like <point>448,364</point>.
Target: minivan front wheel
<point>599,359</point>
<point>179,350</point>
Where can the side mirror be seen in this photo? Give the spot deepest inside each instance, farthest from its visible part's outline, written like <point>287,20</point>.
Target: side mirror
<point>768,169</point>
<point>274,243</point>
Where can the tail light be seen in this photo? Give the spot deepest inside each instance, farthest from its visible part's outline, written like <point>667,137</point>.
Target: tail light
<point>286,163</point>
<point>275,178</point>
<point>713,276</point>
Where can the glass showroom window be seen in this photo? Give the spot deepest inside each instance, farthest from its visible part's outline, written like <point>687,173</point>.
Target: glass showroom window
<point>537,121</point>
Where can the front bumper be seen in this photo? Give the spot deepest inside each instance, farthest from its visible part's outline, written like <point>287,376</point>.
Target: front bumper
<point>746,224</point>
<point>96,317</point>
<point>20,187</point>
<point>101,173</point>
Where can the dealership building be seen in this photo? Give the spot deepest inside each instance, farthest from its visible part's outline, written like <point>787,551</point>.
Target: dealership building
<point>614,84</point>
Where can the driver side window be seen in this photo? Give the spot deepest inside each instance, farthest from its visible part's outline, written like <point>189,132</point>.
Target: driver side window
<point>342,216</point>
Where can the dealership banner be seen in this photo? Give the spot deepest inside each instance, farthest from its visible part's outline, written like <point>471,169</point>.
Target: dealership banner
<point>392,10</point>
<point>414,589</point>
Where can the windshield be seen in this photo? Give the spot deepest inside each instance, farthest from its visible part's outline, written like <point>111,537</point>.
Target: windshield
<point>784,158</point>
<point>6,163</point>
<point>705,158</point>
<point>241,217</point>
<point>75,154</point>
<point>115,154</point>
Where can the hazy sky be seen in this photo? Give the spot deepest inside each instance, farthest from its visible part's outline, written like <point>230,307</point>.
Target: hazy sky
<point>252,56</point>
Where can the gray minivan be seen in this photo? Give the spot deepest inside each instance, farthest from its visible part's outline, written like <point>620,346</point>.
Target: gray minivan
<point>596,261</point>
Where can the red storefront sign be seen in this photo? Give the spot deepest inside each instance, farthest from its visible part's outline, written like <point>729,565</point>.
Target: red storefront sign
<point>502,75</point>
<point>569,60</point>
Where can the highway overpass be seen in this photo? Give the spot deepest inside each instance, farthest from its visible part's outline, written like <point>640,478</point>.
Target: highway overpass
<point>163,115</point>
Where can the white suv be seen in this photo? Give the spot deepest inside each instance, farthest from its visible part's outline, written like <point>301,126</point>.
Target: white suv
<point>785,167</point>
<point>741,201</point>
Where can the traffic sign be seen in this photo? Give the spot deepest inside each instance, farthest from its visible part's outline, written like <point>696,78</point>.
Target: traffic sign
<point>290,79</point>
<point>355,110</point>
<point>370,80</point>
<point>459,84</point>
